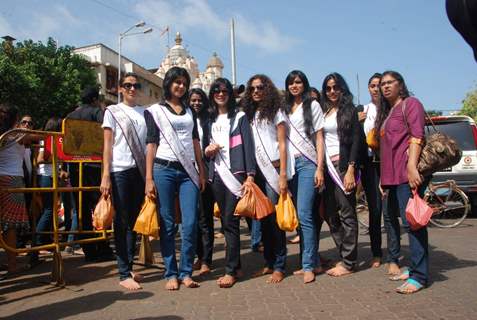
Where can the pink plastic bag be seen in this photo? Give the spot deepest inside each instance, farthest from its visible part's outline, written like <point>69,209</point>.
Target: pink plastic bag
<point>418,213</point>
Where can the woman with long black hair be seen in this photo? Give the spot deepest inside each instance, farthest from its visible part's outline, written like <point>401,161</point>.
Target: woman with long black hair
<point>173,150</point>
<point>231,154</point>
<point>400,122</point>
<point>262,105</point>
<point>199,102</point>
<point>343,143</point>
<point>305,121</point>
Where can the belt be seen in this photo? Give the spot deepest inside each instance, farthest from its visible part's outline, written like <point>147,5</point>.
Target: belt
<point>170,164</point>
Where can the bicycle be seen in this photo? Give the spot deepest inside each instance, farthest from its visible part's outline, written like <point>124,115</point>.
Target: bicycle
<point>449,203</point>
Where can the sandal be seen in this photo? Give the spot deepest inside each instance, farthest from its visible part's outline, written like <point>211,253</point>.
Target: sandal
<point>400,277</point>
<point>405,287</point>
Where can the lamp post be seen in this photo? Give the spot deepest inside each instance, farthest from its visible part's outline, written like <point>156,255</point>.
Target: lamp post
<point>123,35</point>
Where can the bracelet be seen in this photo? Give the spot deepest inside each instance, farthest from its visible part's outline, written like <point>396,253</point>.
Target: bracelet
<point>418,141</point>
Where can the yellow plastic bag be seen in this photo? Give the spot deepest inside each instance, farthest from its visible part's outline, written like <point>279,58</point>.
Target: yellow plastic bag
<point>286,213</point>
<point>146,222</point>
<point>103,214</point>
<point>216,210</point>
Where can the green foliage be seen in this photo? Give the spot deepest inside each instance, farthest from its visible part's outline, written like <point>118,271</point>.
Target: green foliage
<point>469,105</point>
<point>41,79</point>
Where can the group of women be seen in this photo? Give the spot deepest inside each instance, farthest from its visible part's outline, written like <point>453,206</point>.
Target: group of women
<point>197,150</point>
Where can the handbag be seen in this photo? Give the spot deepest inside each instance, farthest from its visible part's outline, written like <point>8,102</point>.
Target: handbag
<point>439,151</point>
<point>372,139</point>
<point>286,214</point>
<point>418,212</point>
<point>103,213</point>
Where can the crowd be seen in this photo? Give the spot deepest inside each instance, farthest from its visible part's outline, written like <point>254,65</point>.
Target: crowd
<point>198,150</point>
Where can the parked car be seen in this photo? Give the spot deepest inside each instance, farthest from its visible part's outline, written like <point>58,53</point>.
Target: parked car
<point>464,130</point>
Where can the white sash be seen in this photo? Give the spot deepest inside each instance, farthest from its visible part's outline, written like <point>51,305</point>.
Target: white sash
<point>264,162</point>
<point>333,173</point>
<point>169,134</point>
<point>131,136</point>
<point>300,142</point>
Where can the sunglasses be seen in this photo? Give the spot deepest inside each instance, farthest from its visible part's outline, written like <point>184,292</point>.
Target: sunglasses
<point>258,88</point>
<point>26,122</point>
<point>335,88</point>
<point>129,86</point>
<point>218,90</point>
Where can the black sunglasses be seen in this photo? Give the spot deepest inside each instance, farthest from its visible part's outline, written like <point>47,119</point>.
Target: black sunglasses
<point>258,88</point>
<point>30,123</point>
<point>128,86</point>
<point>217,90</point>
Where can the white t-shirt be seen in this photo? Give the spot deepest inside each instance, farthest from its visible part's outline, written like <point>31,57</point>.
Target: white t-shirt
<point>122,158</point>
<point>221,135</point>
<point>268,134</point>
<point>297,120</point>
<point>332,142</point>
<point>11,160</point>
<point>183,126</point>
<point>369,123</point>
<point>44,169</point>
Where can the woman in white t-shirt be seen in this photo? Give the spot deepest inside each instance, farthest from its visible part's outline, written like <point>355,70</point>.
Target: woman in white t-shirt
<point>123,172</point>
<point>262,105</point>
<point>173,151</point>
<point>344,141</point>
<point>305,120</point>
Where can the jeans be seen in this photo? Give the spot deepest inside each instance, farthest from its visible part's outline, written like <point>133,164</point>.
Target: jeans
<point>396,199</point>
<point>128,193</point>
<point>274,239</point>
<point>71,215</point>
<point>341,215</point>
<point>170,182</point>
<point>205,234</point>
<point>227,202</point>
<point>303,191</point>
<point>256,234</point>
<point>45,223</point>
<point>370,182</point>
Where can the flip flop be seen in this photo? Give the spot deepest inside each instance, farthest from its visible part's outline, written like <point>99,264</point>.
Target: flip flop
<point>402,288</point>
<point>400,277</point>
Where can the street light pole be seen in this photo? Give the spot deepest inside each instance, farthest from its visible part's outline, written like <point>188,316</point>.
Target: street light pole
<point>120,38</point>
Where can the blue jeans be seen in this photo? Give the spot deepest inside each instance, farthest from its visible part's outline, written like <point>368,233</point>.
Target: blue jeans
<point>170,182</point>
<point>303,190</point>
<point>256,234</point>
<point>128,193</point>
<point>395,202</point>
<point>45,222</point>
<point>274,239</point>
<point>71,215</point>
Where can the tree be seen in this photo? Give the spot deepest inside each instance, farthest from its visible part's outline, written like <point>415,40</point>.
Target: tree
<point>469,105</point>
<point>41,79</point>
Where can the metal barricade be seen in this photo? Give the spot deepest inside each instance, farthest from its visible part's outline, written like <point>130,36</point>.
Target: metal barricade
<point>79,142</point>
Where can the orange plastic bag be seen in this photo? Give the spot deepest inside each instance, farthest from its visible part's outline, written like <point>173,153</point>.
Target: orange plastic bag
<point>103,214</point>
<point>287,219</point>
<point>146,222</point>
<point>254,203</point>
<point>418,212</point>
<point>216,210</point>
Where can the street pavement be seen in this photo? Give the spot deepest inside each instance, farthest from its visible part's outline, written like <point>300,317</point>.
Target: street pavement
<point>92,290</point>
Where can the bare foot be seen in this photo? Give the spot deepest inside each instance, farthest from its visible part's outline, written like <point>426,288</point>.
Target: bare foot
<point>338,271</point>
<point>276,277</point>
<point>172,284</point>
<point>226,281</point>
<point>262,272</point>
<point>197,265</point>
<point>393,269</point>
<point>137,277</point>
<point>295,240</point>
<point>189,283</point>
<point>376,262</point>
<point>308,276</point>
<point>218,235</point>
<point>204,269</point>
<point>300,272</point>
<point>130,284</point>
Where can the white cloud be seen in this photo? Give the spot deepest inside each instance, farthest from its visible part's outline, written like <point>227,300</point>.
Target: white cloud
<point>199,15</point>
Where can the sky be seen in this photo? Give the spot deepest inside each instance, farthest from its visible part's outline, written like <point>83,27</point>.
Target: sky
<point>354,38</point>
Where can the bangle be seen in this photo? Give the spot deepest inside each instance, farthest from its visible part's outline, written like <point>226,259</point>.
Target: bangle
<point>352,163</point>
<point>418,141</point>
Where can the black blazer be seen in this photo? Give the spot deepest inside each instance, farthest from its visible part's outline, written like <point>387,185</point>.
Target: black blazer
<point>355,149</point>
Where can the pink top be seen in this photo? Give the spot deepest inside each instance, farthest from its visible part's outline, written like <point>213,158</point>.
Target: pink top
<point>395,140</point>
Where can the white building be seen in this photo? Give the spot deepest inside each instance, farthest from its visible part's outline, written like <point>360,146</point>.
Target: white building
<point>180,57</point>
<point>105,62</point>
